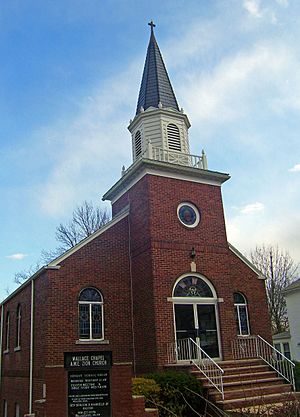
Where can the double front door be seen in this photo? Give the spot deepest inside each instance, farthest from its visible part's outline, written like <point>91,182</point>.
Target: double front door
<point>198,322</point>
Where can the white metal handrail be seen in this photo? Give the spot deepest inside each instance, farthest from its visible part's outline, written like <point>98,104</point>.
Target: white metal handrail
<point>210,369</point>
<point>258,347</point>
<point>189,350</point>
<point>276,360</point>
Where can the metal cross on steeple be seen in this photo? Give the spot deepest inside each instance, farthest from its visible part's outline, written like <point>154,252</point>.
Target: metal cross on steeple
<point>152,25</point>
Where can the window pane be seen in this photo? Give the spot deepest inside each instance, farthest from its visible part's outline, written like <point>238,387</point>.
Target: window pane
<point>192,287</point>
<point>286,350</point>
<point>17,410</point>
<point>243,320</point>
<point>90,294</point>
<point>84,321</point>
<point>96,321</point>
<point>237,319</point>
<point>239,298</point>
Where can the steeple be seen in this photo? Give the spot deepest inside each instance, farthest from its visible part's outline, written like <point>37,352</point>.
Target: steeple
<point>159,129</point>
<point>156,89</point>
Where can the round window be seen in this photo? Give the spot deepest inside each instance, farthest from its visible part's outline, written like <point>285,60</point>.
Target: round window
<point>188,214</point>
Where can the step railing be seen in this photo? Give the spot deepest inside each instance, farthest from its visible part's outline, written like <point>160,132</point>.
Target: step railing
<point>189,350</point>
<point>258,347</point>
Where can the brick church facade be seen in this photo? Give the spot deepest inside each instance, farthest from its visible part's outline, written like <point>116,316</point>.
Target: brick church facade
<point>159,273</point>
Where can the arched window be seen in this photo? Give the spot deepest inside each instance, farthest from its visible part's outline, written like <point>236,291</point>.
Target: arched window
<point>7,331</point>
<point>138,143</point>
<point>173,137</point>
<point>241,314</point>
<point>90,314</point>
<point>18,326</point>
<point>192,286</point>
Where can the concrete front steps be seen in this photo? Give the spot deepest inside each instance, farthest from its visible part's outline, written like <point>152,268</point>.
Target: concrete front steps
<point>248,383</point>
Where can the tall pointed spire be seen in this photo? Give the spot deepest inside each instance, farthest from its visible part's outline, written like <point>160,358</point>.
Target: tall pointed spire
<point>156,89</point>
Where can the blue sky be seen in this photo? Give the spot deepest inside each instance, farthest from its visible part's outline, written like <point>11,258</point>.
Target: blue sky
<point>69,79</point>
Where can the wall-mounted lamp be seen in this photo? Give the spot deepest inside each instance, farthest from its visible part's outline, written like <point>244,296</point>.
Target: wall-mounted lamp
<point>193,253</point>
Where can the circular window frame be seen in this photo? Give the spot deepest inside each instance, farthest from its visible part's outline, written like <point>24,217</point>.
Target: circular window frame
<point>196,210</point>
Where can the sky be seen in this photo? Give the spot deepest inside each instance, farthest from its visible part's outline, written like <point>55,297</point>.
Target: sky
<point>69,80</point>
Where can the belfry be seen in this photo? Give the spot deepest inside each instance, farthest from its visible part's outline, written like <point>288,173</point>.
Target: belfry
<point>157,287</point>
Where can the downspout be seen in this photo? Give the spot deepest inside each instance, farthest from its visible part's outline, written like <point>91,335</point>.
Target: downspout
<point>131,290</point>
<point>31,347</point>
<point>1,343</point>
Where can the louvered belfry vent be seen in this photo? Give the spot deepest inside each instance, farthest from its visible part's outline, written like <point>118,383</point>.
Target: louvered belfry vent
<point>173,137</point>
<point>138,143</point>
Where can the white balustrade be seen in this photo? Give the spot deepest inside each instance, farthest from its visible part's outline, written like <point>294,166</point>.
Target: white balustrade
<point>175,157</point>
<point>189,350</point>
<point>257,347</point>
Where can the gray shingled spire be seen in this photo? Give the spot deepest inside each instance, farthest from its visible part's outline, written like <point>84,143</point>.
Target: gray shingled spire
<point>156,86</point>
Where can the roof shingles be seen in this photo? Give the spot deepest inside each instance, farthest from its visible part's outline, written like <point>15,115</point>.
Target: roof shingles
<point>156,86</point>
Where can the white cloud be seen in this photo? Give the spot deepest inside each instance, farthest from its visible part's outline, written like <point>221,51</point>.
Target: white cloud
<point>88,152</point>
<point>17,256</point>
<point>253,8</point>
<point>296,168</point>
<point>252,208</point>
<point>227,92</point>
<point>283,3</point>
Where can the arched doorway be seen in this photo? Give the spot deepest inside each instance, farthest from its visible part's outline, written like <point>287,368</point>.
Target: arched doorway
<point>196,313</point>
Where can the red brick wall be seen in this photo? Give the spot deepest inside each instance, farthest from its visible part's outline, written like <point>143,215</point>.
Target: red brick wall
<point>15,364</point>
<point>135,265</point>
<point>161,246</point>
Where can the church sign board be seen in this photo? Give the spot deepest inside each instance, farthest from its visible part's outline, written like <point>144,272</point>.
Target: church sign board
<point>89,383</point>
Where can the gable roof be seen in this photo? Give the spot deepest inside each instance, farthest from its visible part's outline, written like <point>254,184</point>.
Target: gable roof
<point>294,286</point>
<point>55,263</point>
<point>155,86</point>
<point>246,261</point>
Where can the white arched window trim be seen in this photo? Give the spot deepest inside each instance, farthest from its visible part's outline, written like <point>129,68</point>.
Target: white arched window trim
<point>88,306</point>
<point>239,307</point>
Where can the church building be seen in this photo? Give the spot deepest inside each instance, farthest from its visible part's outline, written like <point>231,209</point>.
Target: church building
<point>158,286</point>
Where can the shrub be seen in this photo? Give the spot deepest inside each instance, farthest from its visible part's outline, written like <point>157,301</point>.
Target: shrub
<point>297,375</point>
<point>148,388</point>
<point>175,396</point>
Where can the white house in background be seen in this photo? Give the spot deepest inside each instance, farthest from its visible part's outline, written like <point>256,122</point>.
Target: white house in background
<point>282,342</point>
<point>292,296</point>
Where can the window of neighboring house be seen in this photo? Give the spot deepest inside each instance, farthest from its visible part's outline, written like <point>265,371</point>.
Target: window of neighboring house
<point>17,410</point>
<point>278,347</point>
<point>138,143</point>
<point>91,314</point>
<point>241,314</point>
<point>4,408</point>
<point>173,137</point>
<point>6,345</point>
<point>286,350</point>
<point>18,327</point>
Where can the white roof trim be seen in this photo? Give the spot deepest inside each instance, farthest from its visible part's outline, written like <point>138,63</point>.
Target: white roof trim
<point>88,239</point>
<point>159,169</point>
<point>54,264</point>
<point>246,261</point>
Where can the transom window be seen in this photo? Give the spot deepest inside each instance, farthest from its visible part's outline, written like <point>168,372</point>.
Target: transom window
<point>90,314</point>
<point>192,286</point>
<point>241,314</point>
<point>173,137</point>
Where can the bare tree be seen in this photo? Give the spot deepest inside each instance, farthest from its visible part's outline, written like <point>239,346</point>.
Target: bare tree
<point>280,270</point>
<point>86,219</point>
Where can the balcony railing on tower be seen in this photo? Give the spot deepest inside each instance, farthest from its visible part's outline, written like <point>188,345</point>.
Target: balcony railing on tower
<point>175,157</point>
